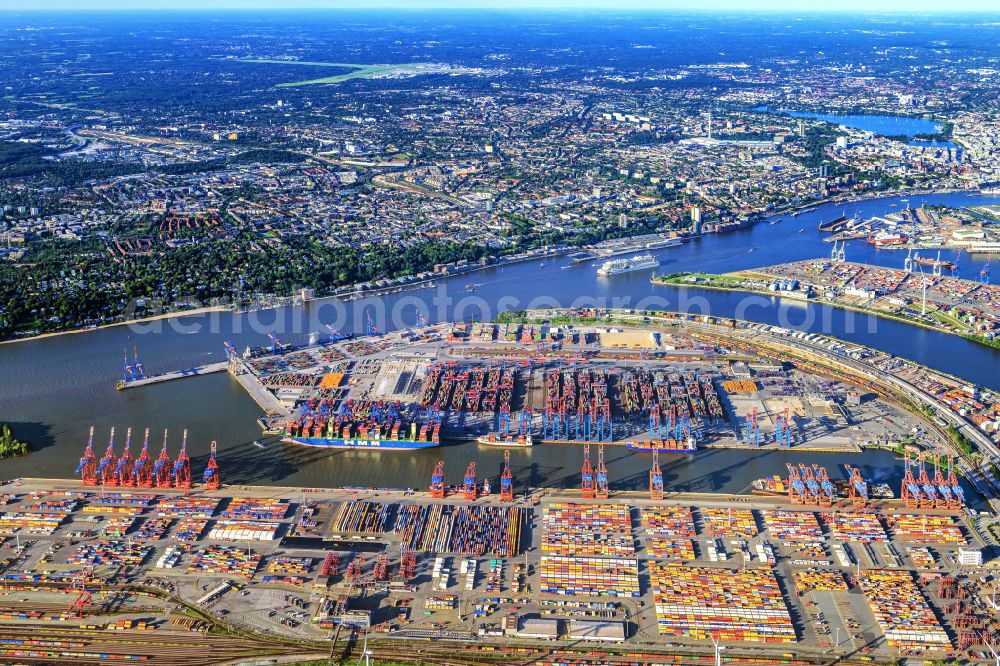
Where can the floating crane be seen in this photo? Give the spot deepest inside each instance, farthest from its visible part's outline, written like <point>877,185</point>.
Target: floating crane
<point>106,468</point>
<point>230,351</point>
<point>142,471</point>
<point>587,490</point>
<point>506,479</point>
<point>437,481</point>
<point>161,468</point>
<point>123,470</point>
<point>87,469</point>
<point>469,483</point>
<point>211,476</point>
<point>857,489</point>
<point>182,466</point>
<point>601,476</point>
<point>910,491</point>
<point>656,478</point>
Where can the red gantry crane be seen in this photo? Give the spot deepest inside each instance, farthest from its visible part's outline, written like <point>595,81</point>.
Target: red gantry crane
<point>796,486</point>
<point>123,470</point>
<point>437,481</point>
<point>469,484</point>
<point>857,489</point>
<point>161,468</point>
<point>506,479</point>
<point>601,475</point>
<point>84,599</point>
<point>87,469</point>
<point>587,475</point>
<point>211,476</point>
<point>910,491</point>
<point>656,478</point>
<point>142,471</point>
<point>106,468</point>
<point>182,466</point>
<point>930,495</point>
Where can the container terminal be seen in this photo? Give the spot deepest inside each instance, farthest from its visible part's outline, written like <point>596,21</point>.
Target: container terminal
<point>517,385</point>
<point>142,558</point>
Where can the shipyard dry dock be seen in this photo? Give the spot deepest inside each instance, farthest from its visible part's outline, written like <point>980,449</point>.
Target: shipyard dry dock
<point>120,573</point>
<point>523,384</point>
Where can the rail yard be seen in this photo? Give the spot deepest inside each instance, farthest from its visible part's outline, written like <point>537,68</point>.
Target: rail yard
<point>142,557</point>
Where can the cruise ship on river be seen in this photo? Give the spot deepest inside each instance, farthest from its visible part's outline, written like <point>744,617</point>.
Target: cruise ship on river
<point>617,266</point>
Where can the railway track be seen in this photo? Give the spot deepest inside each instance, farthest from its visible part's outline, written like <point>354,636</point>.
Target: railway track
<point>75,645</point>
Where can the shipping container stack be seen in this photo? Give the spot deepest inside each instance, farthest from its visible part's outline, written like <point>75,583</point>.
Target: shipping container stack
<point>902,612</point>
<point>925,529</point>
<point>729,522</point>
<point>862,526</point>
<point>792,526</point>
<point>821,580</point>
<point>225,561</point>
<point>363,517</point>
<point>731,605</point>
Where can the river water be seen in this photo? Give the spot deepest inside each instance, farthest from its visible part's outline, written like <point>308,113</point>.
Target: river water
<point>52,389</point>
<point>884,125</point>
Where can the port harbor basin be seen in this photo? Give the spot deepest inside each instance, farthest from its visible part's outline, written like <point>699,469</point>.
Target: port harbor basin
<point>52,389</point>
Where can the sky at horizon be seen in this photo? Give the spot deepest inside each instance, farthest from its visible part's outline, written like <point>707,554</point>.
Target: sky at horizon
<point>863,6</point>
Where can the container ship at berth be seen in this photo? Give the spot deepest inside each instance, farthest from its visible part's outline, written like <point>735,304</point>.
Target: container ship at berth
<point>388,439</point>
<point>618,266</point>
<point>688,445</point>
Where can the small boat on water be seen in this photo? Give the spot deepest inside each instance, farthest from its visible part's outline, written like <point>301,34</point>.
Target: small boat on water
<point>259,444</point>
